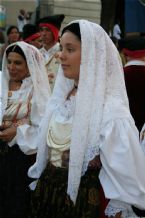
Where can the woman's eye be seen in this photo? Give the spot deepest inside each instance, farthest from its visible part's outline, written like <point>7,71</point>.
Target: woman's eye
<point>17,62</point>
<point>70,49</point>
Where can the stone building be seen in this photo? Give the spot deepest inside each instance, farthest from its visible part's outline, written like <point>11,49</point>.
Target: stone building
<point>73,9</point>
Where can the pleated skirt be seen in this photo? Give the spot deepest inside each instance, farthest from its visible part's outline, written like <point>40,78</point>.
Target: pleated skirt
<point>50,200</point>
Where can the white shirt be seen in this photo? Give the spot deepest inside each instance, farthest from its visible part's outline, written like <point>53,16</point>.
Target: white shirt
<point>117,31</point>
<point>48,54</point>
<point>21,23</point>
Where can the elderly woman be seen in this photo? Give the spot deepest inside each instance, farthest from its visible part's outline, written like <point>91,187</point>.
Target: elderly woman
<point>25,90</point>
<point>87,134</point>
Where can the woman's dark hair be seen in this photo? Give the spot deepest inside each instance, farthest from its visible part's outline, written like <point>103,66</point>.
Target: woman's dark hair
<point>10,29</point>
<point>74,28</point>
<point>17,49</point>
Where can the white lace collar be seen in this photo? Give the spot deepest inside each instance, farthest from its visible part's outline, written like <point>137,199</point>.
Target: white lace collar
<point>66,110</point>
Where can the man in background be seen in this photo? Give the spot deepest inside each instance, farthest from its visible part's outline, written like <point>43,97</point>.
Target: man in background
<point>21,20</point>
<point>134,72</point>
<point>49,29</point>
<point>31,35</point>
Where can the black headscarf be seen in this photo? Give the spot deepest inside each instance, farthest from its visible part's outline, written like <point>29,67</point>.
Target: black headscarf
<point>17,49</point>
<point>74,28</point>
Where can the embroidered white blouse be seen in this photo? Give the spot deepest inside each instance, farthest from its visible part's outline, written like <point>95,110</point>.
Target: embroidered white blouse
<point>59,131</point>
<point>28,129</point>
<point>113,143</point>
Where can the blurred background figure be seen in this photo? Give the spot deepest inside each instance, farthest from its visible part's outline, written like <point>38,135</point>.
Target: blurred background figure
<point>28,17</point>
<point>21,20</point>
<point>49,29</point>
<point>2,38</point>
<point>2,42</point>
<point>31,35</point>
<point>134,71</point>
<point>117,31</point>
<point>12,35</point>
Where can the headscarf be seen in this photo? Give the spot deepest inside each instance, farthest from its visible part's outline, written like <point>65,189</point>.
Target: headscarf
<point>37,72</point>
<point>53,23</point>
<point>101,97</point>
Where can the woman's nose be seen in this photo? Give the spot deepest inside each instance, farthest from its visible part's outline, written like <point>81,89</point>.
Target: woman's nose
<point>61,55</point>
<point>11,66</point>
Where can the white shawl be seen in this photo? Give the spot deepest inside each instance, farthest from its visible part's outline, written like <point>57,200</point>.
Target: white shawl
<point>101,97</point>
<point>38,75</point>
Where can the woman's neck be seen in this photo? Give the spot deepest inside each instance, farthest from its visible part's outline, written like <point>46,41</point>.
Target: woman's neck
<point>14,85</point>
<point>73,91</point>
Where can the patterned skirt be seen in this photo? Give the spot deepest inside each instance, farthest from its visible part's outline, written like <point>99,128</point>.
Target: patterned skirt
<point>14,191</point>
<point>50,200</point>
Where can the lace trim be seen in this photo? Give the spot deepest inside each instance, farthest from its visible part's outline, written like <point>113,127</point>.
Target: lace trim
<point>67,109</point>
<point>112,211</point>
<point>126,212</point>
<point>90,155</point>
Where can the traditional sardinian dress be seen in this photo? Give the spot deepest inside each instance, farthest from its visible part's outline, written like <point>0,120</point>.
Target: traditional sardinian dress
<point>14,190</point>
<point>102,125</point>
<point>50,198</point>
<point>24,109</point>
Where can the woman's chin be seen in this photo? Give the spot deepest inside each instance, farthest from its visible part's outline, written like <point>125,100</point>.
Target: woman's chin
<point>67,75</point>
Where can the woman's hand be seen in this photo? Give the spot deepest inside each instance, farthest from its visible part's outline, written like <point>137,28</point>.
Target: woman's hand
<point>8,134</point>
<point>5,125</point>
<point>118,215</point>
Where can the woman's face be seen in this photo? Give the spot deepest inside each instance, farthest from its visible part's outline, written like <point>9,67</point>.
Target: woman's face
<point>14,35</point>
<point>70,55</point>
<point>17,67</point>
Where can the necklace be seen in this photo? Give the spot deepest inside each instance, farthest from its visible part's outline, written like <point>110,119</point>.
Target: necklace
<point>13,86</point>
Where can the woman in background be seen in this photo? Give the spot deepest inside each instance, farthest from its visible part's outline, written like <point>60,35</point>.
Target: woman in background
<point>12,36</point>
<point>25,90</point>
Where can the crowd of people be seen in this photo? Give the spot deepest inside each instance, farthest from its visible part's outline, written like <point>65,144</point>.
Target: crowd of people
<point>72,120</point>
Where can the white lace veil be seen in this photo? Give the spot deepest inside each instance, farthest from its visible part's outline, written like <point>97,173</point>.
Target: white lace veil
<point>37,72</point>
<point>101,96</point>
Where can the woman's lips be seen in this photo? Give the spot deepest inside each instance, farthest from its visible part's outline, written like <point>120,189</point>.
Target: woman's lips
<point>64,66</point>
